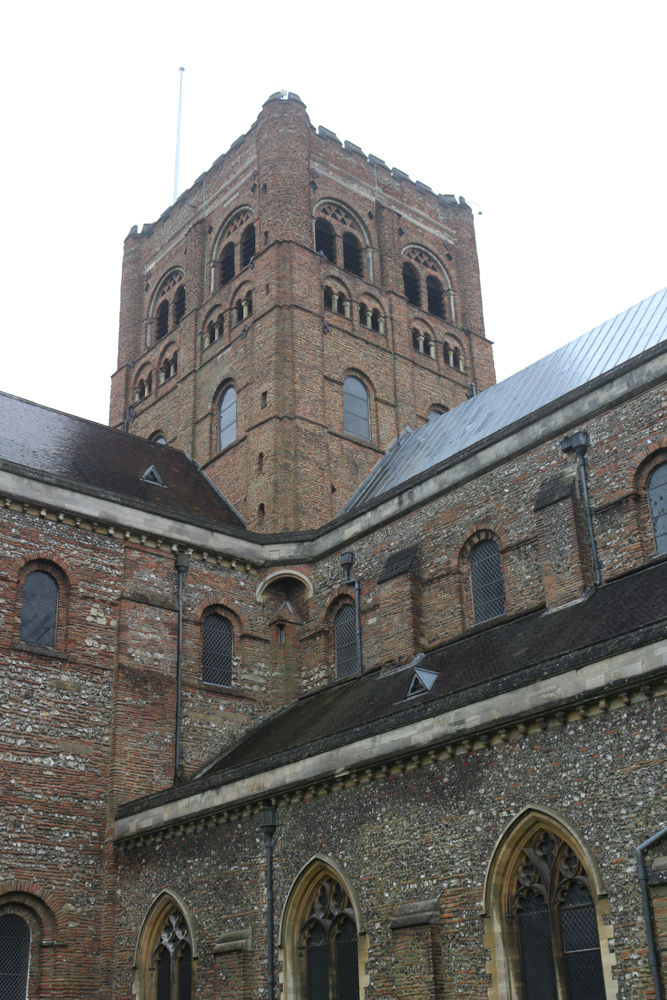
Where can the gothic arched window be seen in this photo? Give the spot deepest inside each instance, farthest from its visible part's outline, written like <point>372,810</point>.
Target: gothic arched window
<point>488,592</point>
<point>352,255</point>
<point>551,914</point>
<point>325,239</point>
<point>39,609</point>
<point>171,961</point>
<point>657,498</point>
<point>356,414</point>
<point>328,946</point>
<point>14,956</point>
<point>227,418</point>
<point>411,284</point>
<point>248,245</point>
<point>345,632</point>
<point>217,650</point>
<point>227,269</point>
<point>434,294</point>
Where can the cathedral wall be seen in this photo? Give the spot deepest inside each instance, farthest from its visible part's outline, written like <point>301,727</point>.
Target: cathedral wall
<point>425,835</point>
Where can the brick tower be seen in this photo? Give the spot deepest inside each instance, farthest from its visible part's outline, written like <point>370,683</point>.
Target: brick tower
<point>292,313</point>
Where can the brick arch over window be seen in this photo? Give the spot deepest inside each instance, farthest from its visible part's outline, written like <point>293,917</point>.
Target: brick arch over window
<point>336,296</point>
<point>42,601</point>
<point>167,306</point>
<point>422,265</point>
<point>357,395</point>
<point>341,219</point>
<point>650,483</point>
<point>225,415</point>
<point>30,920</point>
<point>544,909</point>
<point>323,936</point>
<point>481,562</point>
<point>143,384</point>
<point>219,637</point>
<point>229,246</point>
<point>166,954</point>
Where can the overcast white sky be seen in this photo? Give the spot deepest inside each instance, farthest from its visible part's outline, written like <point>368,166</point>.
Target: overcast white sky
<point>550,116</point>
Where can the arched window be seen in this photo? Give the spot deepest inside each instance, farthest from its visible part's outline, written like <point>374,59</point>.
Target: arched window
<point>488,592</point>
<point>352,257</point>
<point>261,513</point>
<point>436,302</point>
<point>345,631</point>
<point>227,418</point>
<point>411,284</point>
<point>356,415</point>
<point>657,498</point>
<point>325,239</point>
<point>179,304</point>
<point>328,945</point>
<point>171,961</point>
<point>227,269</point>
<point>39,609</point>
<point>376,321</point>
<point>162,320</point>
<point>247,245</point>
<point>551,916</point>
<point>14,955</point>
<point>217,650</point>
<point>328,298</point>
<point>157,437</point>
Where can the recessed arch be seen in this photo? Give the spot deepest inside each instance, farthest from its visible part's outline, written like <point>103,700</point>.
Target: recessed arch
<point>166,902</point>
<point>277,574</point>
<point>229,232</point>
<point>339,212</point>
<point>163,295</point>
<point>431,264</point>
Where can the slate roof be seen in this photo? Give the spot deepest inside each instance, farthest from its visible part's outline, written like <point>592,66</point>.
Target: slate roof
<point>623,614</point>
<point>593,354</point>
<point>98,460</point>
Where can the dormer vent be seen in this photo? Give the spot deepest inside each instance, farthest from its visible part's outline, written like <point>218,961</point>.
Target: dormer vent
<point>421,682</point>
<point>151,475</point>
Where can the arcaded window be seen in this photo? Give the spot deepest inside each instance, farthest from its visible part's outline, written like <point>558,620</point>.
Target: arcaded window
<point>352,254</point>
<point>411,284</point>
<point>434,294</point>
<point>328,945</point>
<point>171,961</point>
<point>227,269</point>
<point>345,629</point>
<point>14,956</point>
<point>356,414</point>
<point>325,240</point>
<point>552,918</point>
<point>179,304</point>
<point>39,609</point>
<point>488,592</point>
<point>217,650</point>
<point>227,418</point>
<point>162,321</point>
<point>247,245</point>
<point>657,498</point>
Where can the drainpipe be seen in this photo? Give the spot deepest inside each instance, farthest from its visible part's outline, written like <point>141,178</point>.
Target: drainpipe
<point>579,442</point>
<point>642,875</point>
<point>268,821</point>
<point>182,563</point>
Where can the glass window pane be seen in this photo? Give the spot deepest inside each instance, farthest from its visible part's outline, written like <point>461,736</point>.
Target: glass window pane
<point>318,964</point>
<point>488,592</point>
<point>347,964</point>
<point>163,991</point>
<point>39,609</point>
<point>185,973</point>
<point>227,419</point>
<point>657,498</point>
<point>356,416</point>
<point>218,649</point>
<point>346,641</point>
<point>537,960</point>
<point>581,945</point>
<point>14,957</point>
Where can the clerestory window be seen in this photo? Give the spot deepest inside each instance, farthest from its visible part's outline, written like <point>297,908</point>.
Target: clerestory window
<point>657,498</point>
<point>345,631</point>
<point>217,650</point>
<point>356,414</point>
<point>39,609</point>
<point>488,592</point>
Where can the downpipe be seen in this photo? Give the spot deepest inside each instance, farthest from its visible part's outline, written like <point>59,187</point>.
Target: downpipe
<point>182,563</point>
<point>642,875</point>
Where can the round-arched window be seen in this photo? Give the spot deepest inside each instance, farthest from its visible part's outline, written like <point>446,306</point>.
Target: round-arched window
<point>39,609</point>
<point>345,631</point>
<point>657,498</point>
<point>488,592</point>
<point>15,956</point>
<point>227,418</point>
<point>356,414</point>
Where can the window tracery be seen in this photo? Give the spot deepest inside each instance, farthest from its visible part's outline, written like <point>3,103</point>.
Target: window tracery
<point>171,960</point>
<point>328,945</point>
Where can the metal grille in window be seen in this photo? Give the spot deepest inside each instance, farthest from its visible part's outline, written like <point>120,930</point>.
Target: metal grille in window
<point>227,418</point>
<point>247,245</point>
<point>411,285</point>
<point>345,628</point>
<point>352,258</point>
<point>227,269</point>
<point>172,961</point>
<point>218,650</point>
<point>328,943</point>
<point>436,305</point>
<point>657,498</point>
<point>356,416</point>
<point>556,923</point>
<point>39,609</point>
<point>488,593</point>
<point>14,957</point>
<point>325,240</point>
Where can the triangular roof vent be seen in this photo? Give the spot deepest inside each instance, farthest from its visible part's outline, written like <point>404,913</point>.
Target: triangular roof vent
<point>422,681</point>
<point>151,476</point>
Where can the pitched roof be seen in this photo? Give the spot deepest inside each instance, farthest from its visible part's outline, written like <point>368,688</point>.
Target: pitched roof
<point>92,458</point>
<point>593,354</point>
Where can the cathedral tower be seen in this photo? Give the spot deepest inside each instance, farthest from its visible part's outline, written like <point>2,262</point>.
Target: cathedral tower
<point>292,313</point>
